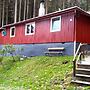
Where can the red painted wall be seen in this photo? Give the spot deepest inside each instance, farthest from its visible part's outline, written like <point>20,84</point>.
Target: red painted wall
<point>42,32</point>
<point>82,28</point>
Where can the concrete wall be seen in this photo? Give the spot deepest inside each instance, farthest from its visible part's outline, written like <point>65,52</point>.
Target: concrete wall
<point>39,49</point>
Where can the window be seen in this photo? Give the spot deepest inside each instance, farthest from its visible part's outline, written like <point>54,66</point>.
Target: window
<point>30,28</point>
<point>55,24</point>
<point>4,33</point>
<point>12,32</point>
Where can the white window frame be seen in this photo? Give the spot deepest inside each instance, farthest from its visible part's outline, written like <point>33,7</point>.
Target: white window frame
<point>51,29</point>
<point>11,31</point>
<point>26,29</point>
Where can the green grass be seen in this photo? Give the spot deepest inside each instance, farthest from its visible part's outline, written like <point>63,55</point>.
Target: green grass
<point>37,73</point>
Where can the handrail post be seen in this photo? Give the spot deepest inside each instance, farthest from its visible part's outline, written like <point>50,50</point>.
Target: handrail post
<point>80,57</point>
<point>74,68</point>
<point>83,54</point>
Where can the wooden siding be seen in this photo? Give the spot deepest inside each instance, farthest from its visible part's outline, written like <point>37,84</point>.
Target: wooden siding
<point>42,32</point>
<point>82,28</point>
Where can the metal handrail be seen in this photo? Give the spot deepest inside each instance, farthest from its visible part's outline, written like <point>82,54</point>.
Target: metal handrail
<point>79,57</point>
<point>74,63</point>
<point>77,51</point>
<point>79,47</point>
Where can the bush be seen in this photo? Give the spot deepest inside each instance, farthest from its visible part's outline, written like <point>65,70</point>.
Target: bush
<point>1,59</point>
<point>11,50</point>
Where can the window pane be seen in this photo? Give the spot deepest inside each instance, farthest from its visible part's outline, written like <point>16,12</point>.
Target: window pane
<point>28,29</point>
<point>32,29</point>
<point>56,24</point>
<point>12,33</point>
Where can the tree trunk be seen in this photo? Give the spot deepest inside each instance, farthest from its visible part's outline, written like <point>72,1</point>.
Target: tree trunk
<point>7,13</point>
<point>87,4</point>
<point>20,10</point>
<point>15,18</point>
<point>46,6</point>
<point>24,9</point>
<point>27,8</point>
<point>63,4</point>
<point>0,12</point>
<point>3,13</point>
<point>34,8</point>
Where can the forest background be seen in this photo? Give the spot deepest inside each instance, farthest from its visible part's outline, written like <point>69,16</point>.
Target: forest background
<point>12,11</point>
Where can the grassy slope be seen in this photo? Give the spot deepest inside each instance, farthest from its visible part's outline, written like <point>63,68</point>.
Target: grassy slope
<point>37,73</point>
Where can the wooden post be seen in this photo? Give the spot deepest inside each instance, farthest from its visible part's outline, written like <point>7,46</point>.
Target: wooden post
<point>83,54</point>
<point>74,68</point>
<point>80,58</point>
<point>74,48</point>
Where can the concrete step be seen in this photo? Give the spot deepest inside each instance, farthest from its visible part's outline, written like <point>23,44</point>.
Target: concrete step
<point>80,82</point>
<point>83,77</point>
<point>83,71</point>
<point>86,61</point>
<point>87,58</point>
<point>84,66</point>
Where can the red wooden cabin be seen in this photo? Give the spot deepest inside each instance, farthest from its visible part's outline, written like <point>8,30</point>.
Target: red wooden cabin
<point>57,29</point>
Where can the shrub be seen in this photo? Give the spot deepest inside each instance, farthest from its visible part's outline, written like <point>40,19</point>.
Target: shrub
<point>10,49</point>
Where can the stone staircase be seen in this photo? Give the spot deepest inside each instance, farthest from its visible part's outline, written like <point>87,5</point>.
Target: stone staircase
<point>82,72</point>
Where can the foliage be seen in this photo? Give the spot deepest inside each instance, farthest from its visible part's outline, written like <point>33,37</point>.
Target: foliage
<point>2,54</point>
<point>1,59</point>
<point>4,51</point>
<point>7,7</point>
<point>8,50</point>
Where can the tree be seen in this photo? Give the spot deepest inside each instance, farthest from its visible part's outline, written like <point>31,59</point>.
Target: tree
<point>6,12</point>
<point>24,9</point>
<point>15,16</point>
<point>3,12</point>
<point>87,5</point>
<point>0,12</point>
<point>20,10</point>
<point>10,49</point>
<point>34,8</point>
<point>11,11</point>
<point>17,10</point>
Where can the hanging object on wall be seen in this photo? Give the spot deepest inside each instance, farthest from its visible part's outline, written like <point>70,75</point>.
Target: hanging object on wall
<point>4,33</point>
